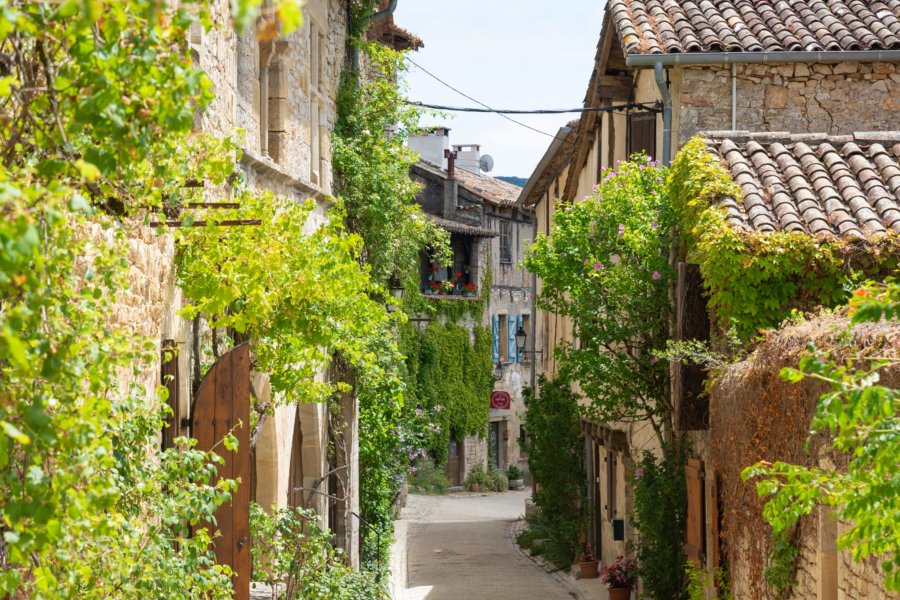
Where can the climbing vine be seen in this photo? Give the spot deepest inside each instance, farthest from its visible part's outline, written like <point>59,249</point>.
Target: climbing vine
<point>755,279</point>
<point>449,371</point>
<point>97,105</point>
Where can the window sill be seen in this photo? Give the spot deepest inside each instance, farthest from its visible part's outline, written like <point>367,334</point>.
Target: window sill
<point>450,297</point>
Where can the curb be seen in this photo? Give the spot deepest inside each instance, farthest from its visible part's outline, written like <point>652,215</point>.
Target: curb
<point>562,580</point>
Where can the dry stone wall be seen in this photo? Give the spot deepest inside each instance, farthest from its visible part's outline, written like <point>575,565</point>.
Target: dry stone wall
<point>799,98</point>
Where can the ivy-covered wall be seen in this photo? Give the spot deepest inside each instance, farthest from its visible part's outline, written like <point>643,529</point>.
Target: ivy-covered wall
<point>756,279</point>
<point>449,372</point>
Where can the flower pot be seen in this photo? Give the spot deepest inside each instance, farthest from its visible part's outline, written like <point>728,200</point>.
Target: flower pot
<point>620,593</point>
<point>516,484</point>
<point>589,569</point>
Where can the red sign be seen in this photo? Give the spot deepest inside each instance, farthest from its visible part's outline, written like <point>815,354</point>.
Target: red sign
<point>500,400</point>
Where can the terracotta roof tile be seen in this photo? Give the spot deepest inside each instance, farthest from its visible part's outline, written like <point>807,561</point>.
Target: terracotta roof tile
<point>461,228</point>
<point>845,186</point>
<point>493,190</point>
<point>672,26</point>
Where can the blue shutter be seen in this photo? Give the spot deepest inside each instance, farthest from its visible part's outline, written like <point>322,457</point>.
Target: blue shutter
<point>496,339</point>
<point>511,320</point>
<point>520,357</point>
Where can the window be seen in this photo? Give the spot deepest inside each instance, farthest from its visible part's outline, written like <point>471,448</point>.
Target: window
<point>505,242</point>
<point>642,133</point>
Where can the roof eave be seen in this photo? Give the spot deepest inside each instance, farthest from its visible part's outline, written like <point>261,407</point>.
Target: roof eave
<point>724,58</point>
<point>539,170</point>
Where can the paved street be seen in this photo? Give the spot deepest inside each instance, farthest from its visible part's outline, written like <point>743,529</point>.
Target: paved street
<point>461,547</point>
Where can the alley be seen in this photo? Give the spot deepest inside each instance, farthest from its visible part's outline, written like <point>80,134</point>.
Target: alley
<point>461,546</point>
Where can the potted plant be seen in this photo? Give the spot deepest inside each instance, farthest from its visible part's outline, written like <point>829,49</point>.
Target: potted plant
<point>515,478</point>
<point>433,288</point>
<point>469,289</point>
<point>619,577</point>
<point>587,562</point>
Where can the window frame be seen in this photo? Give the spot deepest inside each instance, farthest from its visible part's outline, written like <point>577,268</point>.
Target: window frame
<point>507,236</point>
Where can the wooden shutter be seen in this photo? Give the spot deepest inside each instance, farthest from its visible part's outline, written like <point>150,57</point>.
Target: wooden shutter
<point>295,491</point>
<point>642,133</point>
<point>715,515</point>
<point>611,463</point>
<point>691,323</point>
<point>695,531</point>
<point>222,406</point>
<point>170,381</point>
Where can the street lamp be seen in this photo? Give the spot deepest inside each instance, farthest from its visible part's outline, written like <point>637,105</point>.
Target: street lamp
<point>498,370</point>
<point>521,337</point>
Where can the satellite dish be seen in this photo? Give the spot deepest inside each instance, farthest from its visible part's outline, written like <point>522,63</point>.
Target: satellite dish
<point>486,163</point>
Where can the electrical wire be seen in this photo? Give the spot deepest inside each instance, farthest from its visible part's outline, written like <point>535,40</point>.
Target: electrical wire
<point>542,111</point>
<point>489,109</point>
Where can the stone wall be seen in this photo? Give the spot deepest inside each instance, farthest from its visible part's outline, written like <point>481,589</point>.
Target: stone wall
<point>294,96</point>
<point>799,98</point>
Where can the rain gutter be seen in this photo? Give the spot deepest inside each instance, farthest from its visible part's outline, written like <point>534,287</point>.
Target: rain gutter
<point>755,58</point>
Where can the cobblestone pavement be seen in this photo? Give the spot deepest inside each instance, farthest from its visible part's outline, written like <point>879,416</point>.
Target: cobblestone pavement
<point>460,547</point>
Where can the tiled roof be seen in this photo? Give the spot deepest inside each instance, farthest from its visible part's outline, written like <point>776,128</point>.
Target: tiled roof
<point>819,184</point>
<point>461,228</point>
<point>672,26</point>
<point>493,190</point>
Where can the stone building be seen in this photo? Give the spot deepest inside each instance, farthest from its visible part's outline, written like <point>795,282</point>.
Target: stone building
<point>280,91</point>
<point>800,102</point>
<point>488,234</point>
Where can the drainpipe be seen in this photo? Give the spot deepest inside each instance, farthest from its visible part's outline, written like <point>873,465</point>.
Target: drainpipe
<point>733,97</point>
<point>667,112</point>
<point>384,14</point>
<point>375,18</point>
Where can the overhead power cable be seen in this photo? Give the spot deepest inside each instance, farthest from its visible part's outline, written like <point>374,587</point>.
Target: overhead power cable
<point>541,111</point>
<point>489,109</point>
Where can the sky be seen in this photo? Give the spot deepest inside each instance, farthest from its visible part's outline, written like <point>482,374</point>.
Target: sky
<point>510,54</point>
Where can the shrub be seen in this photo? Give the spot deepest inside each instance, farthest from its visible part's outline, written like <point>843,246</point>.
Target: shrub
<point>543,538</point>
<point>660,497</point>
<point>513,472</point>
<point>555,459</point>
<point>291,548</point>
<point>490,480</point>
<point>427,478</point>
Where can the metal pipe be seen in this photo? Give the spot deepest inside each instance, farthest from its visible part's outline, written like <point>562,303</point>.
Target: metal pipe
<point>384,14</point>
<point>667,112</point>
<point>724,58</point>
<point>733,97</point>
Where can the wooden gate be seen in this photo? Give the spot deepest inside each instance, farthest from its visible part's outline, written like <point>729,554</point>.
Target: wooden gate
<point>222,406</point>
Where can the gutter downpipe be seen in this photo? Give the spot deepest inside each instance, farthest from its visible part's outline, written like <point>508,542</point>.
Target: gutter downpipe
<point>667,112</point>
<point>375,18</point>
<point>733,97</point>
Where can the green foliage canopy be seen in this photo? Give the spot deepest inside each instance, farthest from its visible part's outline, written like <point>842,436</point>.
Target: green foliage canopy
<point>606,267</point>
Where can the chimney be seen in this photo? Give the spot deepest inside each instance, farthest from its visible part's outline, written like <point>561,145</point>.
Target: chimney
<point>468,157</point>
<point>431,145</point>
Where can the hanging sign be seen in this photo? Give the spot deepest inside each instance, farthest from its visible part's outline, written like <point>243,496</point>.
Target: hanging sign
<point>500,400</point>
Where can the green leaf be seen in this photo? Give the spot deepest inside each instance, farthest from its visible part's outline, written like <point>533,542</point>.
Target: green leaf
<point>15,433</point>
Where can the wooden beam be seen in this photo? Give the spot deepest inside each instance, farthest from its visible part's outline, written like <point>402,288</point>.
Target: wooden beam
<point>589,120</point>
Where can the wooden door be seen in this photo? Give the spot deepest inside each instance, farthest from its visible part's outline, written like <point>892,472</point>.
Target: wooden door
<point>494,444</point>
<point>222,406</point>
<point>454,456</point>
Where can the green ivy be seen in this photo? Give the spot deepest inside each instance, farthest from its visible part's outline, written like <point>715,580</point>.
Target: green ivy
<point>755,279</point>
<point>660,498</point>
<point>449,371</point>
<point>555,446</point>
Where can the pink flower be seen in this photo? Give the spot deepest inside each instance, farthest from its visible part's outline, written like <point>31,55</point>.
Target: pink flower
<point>653,360</point>
<point>419,412</point>
<point>621,230</point>
<point>437,408</point>
<point>656,275</point>
<point>654,224</point>
<point>638,473</point>
<point>586,262</point>
<point>598,266</point>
